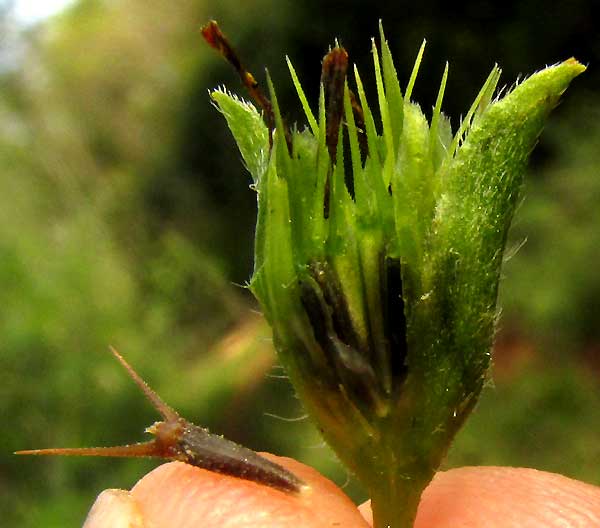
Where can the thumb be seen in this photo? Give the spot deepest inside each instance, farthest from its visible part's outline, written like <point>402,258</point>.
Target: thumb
<point>183,496</point>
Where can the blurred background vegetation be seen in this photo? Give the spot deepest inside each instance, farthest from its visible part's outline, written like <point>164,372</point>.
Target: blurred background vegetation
<point>126,219</point>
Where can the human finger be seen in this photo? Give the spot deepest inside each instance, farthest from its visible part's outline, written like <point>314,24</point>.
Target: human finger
<point>499,497</point>
<point>180,495</point>
<point>114,508</point>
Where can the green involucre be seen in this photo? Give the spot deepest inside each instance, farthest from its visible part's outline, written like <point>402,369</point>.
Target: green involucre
<point>379,271</point>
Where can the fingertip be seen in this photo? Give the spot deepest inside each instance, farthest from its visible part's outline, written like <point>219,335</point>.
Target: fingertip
<point>177,494</point>
<point>114,508</point>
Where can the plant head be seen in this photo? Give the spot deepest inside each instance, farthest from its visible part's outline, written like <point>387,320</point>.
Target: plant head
<point>379,245</point>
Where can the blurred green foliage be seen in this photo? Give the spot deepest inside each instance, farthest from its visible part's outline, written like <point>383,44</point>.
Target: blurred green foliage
<point>553,287</point>
<point>125,219</point>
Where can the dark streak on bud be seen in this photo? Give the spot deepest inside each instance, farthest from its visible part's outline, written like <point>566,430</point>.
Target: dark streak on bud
<point>352,369</point>
<point>359,121</point>
<point>348,354</point>
<point>333,296</point>
<point>395,320</point>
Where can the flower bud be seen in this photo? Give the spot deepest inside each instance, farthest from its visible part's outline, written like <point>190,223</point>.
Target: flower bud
<point>378,255</point>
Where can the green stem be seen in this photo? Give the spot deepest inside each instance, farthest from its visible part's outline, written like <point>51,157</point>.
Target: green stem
<point>395,502</point>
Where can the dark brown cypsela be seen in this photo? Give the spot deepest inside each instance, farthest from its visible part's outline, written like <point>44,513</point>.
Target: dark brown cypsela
<point>333,78</point>
<point>214,37</point>
<point>178,439</point>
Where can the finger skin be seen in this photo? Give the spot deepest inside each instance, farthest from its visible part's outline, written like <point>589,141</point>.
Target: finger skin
<point>114,508</point>
<point>182,496</point>
<point>498,497</point>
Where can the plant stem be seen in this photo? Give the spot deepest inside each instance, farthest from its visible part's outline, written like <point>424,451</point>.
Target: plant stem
<point>395,503</point>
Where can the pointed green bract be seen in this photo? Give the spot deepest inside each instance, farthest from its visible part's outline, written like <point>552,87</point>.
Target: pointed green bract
<point>392,88</point>
<point>249,130</point>
<point>378,270</point>
<point>314,126</point>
